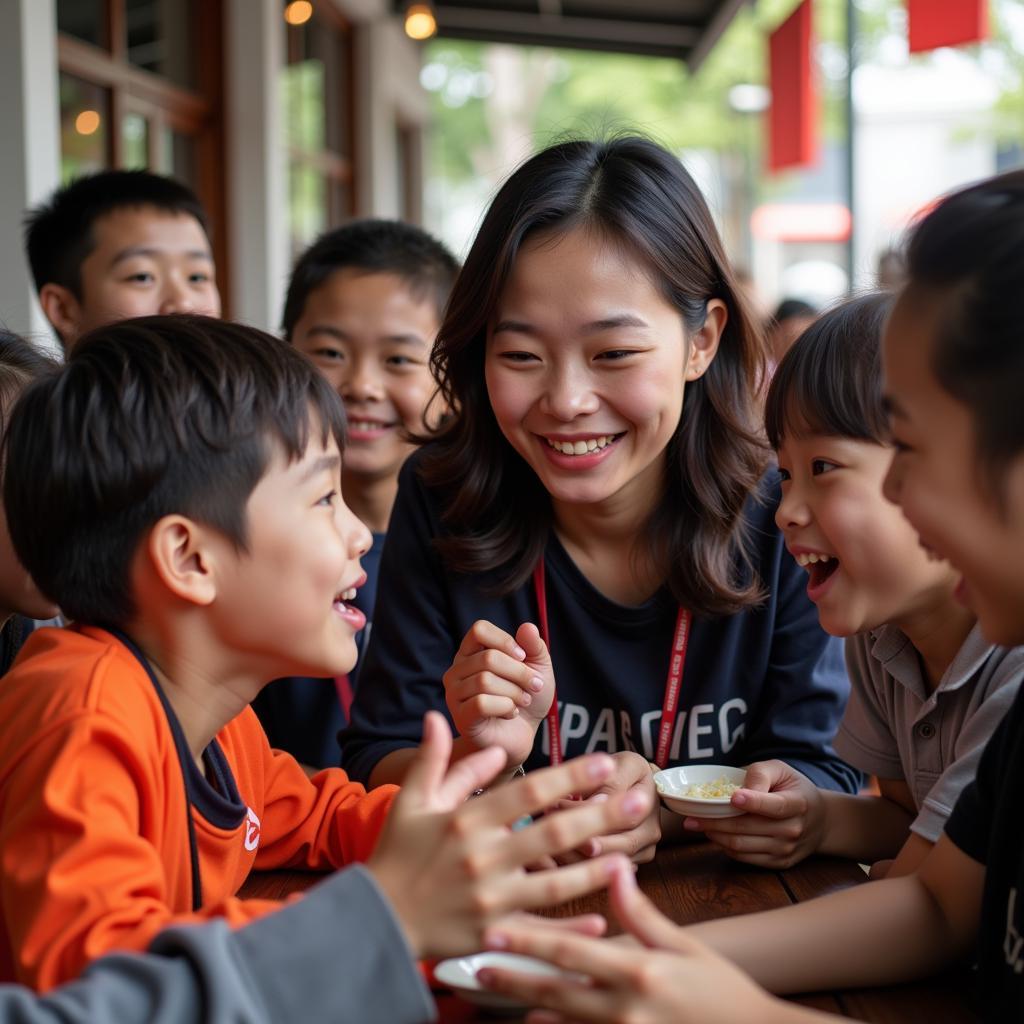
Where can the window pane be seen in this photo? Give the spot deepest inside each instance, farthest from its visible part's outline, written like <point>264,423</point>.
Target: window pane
<point>307,205</point>
<point>317,81</point>
<point>84,127</point>
<point>160,38</point>
<point>135,140</point>
<point>83,19</point>
<point>303,103</point>
<point>178,158</point>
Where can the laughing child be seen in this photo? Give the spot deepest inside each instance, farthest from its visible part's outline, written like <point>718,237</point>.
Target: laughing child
<point>927,689</point>
<point>364,304</point>
<point>175,488</point>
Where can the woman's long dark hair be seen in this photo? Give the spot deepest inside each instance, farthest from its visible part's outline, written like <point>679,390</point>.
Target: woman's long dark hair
<point>497,512</point>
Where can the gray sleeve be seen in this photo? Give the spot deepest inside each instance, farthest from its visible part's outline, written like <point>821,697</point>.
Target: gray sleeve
<point>200,979</point>
<point>337,955</point>
<point>974,735</point>
<point>865,738</point>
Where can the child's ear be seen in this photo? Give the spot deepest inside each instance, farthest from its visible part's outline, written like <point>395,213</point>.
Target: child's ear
<point>704,342</point>
<point>63,311</point>
<point>182,557</point>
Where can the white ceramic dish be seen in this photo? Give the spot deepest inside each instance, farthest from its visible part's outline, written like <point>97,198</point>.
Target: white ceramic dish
<point>459,974</point>
<point>673,784</point>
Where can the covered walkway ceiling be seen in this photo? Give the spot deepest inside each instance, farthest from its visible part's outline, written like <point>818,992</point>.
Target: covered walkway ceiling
<point>683,29</point>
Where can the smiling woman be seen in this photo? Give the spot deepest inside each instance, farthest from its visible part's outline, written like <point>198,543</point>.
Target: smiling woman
<point>598,476</point>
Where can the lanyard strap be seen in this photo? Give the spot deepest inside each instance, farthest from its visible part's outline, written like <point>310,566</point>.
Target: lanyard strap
<point>673,683</point>
<point>344,687</point>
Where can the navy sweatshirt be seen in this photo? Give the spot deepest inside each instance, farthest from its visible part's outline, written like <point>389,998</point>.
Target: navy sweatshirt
<point>763,683</point>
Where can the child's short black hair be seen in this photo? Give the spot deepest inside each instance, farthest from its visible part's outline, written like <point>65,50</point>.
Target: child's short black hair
<point>967,257</point>
<point>58,233</point>
<point>149,417</point>
<point>789,308</point>
<point>20,362</point>
<point>830,381</point>
<point>374,247</point>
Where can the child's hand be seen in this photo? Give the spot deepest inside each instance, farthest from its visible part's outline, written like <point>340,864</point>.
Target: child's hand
<point>639,839</point>
<point>784,823</point>
<point>499,688</point>
<point>667,976</point>
<point>452,866</point>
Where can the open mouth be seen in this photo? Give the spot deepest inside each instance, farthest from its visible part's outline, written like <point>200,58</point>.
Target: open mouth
<point>343,597</point>
<point>819,566</point>
<point>583,446</point>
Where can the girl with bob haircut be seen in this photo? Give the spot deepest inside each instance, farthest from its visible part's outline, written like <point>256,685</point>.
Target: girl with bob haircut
<point>573,494</point>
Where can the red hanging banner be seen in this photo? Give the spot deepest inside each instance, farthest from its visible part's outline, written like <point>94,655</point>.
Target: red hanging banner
<point>793,117</point>
<point>935,23</point>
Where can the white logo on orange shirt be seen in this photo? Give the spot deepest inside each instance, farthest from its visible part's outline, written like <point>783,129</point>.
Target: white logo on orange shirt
<point>252,830</point>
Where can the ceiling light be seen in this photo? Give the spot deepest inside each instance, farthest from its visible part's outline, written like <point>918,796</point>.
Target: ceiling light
<point>298,12</point>
<point>87,122</point>
<point>420,22</point>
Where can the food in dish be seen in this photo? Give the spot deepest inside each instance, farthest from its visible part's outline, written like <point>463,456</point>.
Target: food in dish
<point>714,790</point>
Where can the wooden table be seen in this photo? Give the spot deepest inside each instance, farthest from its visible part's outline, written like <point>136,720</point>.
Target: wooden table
<point>697,882</point>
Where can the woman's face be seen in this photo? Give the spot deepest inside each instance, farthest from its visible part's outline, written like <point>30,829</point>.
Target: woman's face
<point>936,479</point>
<point>586,368</point>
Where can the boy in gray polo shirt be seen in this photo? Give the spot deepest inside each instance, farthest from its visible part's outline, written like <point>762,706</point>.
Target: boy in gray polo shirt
<point>898,724</point>
<point>927,691</point>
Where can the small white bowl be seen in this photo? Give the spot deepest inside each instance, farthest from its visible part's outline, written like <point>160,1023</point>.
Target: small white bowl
<point>459,974</point>
<point>673,784</point>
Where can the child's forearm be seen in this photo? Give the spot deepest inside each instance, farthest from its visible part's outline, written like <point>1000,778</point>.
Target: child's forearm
<point>882,933</point>
<point>780,1012</point>
<point>863,828</point>
<point>392,767</point>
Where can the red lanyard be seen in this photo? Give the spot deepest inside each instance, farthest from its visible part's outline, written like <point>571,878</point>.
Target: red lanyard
<point>344,688</point>
<point>670,703</point>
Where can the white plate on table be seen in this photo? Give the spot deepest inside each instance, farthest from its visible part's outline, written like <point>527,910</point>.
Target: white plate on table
<point>459,974</point>
<point>673,785</point>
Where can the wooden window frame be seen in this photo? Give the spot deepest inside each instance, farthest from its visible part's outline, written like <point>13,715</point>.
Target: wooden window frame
<point>337,168</point>
<point>164,104</point>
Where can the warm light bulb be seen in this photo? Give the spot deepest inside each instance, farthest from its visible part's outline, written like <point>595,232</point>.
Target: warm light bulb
<point>420,22</point>
<point>87,122</point>
<point>298,12</point>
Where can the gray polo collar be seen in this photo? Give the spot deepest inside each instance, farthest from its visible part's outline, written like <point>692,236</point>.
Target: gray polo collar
<point>893,649</point>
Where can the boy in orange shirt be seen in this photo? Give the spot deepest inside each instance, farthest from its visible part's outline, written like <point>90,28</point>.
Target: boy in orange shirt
<point>364,302</point>
<point>175,489</point>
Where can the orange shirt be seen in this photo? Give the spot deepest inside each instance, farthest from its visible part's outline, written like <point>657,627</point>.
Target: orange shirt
<point>94,844</point>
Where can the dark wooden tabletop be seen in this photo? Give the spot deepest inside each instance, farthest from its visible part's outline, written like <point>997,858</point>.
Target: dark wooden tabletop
<point>696,882</point>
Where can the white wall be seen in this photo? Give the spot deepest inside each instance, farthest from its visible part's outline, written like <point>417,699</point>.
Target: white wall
<point>256,173</point>
<point>922,131</point>
<point>30,151</point>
